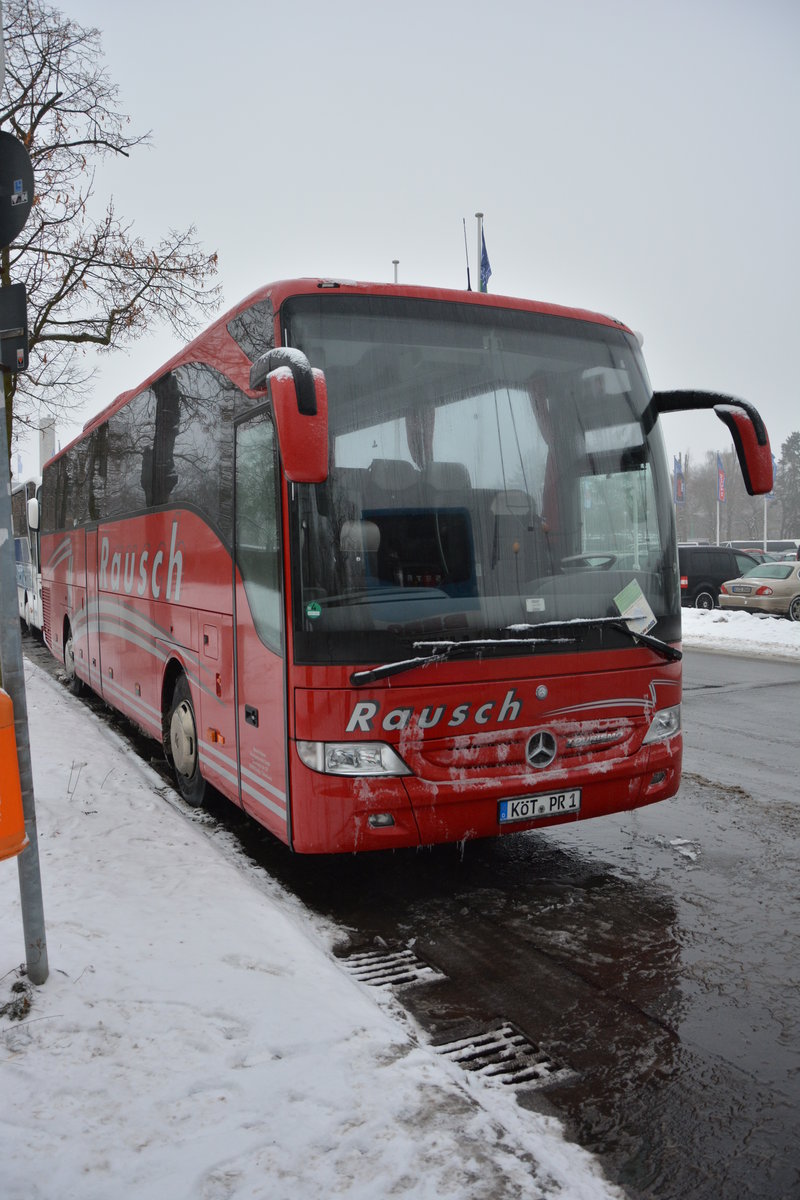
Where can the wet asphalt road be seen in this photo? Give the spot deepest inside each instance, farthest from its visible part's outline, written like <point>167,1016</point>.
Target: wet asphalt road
<point>655,957</point>
<point>656,954</point>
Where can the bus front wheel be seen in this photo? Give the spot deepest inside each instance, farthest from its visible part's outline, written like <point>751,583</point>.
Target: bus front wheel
<point>181,745</point>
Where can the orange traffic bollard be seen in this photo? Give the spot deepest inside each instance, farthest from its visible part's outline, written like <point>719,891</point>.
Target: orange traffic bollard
<point>13,838</point>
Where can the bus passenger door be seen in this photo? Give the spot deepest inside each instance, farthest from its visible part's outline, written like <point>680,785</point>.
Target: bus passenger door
<point>258,625</point>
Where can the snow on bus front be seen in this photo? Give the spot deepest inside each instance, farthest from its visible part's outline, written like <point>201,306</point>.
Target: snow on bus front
<point>447,753</point>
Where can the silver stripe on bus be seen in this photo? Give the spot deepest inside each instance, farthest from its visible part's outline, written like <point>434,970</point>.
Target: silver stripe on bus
<point>154,642</point>
<point>279,810</point>
<point>226,759</point>
<point>117,609</point>
<point>127,616</point>
<point>62,551</point>
<point>263,783</point>
<point>207,759</point>
<point>132,639</point>
<point>214,752</point>
<point>130,619</point>
<point>632,701</point>
<point>139,706</point>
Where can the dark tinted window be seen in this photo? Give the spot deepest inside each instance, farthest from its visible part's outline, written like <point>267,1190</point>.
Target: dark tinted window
<point>171,444</point>
<point>130,440</point>
<point>253,329</point>
<point>48,505</point>
<point>97,473</point>
<point>74,485</point>
<point>18,513</point>
<point>258,526</point>
<point>194,443</point>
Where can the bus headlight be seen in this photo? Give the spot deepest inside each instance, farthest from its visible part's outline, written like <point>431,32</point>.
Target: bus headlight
<point>351,758</point>
<point>664,725</point>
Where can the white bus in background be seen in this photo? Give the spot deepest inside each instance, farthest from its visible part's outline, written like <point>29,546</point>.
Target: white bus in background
<point>26,552</point>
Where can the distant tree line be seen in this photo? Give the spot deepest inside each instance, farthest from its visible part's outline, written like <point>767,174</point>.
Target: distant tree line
<point>740,516</point>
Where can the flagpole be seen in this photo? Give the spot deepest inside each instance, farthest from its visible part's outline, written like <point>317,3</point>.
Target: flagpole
<point>717,511</point>
<point>466,253</point>
<point>479,218</point>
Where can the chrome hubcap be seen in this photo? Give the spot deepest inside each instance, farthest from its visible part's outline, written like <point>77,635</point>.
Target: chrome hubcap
<point>183,740</point>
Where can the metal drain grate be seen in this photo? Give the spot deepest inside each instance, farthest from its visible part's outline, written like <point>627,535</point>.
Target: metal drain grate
<point>506,1056</point>
<point>390,968</point>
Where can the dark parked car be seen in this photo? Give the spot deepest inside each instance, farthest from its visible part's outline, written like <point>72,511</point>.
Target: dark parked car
<point>704,569</point>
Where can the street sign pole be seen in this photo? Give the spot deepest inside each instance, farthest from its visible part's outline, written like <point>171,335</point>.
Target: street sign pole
<point>16,197</point>
<point>30,880</point>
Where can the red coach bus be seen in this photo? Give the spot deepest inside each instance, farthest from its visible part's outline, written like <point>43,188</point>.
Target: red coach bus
<point>386,566</point>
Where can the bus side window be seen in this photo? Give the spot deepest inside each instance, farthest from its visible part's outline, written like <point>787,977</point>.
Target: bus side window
<point>258,554</point>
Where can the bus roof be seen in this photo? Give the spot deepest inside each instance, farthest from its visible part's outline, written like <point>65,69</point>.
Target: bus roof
<point>228,354</point>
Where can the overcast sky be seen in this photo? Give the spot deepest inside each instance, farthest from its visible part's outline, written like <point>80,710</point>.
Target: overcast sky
<point>636,157</point>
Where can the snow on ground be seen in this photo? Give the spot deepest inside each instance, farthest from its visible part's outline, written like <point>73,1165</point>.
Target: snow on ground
<point>741,632</point>
<point>196,1039</point>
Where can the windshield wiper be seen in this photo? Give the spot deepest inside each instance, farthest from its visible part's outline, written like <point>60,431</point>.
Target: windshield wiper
<point>443,651</point>
<point>394,668</point>
<point>663,648</point>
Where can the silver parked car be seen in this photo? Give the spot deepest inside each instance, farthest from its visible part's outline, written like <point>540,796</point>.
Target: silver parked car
<point>769,588</point>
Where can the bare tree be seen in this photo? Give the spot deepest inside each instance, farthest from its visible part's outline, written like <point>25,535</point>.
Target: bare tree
<point>90,281</point>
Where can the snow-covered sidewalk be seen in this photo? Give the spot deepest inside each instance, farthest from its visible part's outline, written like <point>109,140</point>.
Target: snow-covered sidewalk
<point>196,1039</point>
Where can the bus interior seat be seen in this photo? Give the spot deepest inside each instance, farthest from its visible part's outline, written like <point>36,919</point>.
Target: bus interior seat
<point>358,543</point>
<point>391,483</point>
<point>520,547</point>
<point>447,480</point>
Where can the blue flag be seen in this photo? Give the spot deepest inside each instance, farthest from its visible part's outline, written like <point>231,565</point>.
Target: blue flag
<point>486,269</point>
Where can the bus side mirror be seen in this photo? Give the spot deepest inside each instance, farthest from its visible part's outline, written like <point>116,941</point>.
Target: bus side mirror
<point>746,428</point>
<point>33,513</point>
<point>300,404</point>
<point>302,437</point>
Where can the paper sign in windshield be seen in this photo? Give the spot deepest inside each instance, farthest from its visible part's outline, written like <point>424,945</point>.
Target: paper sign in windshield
<point>633,606</point>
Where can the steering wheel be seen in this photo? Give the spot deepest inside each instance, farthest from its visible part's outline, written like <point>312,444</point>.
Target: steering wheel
<point>590,562</point>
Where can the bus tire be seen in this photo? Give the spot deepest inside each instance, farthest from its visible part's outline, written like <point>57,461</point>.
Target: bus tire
<point>74,684</point>
<point>181,745</point>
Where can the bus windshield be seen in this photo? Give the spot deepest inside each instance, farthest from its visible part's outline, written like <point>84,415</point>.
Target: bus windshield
<point>490,473</point>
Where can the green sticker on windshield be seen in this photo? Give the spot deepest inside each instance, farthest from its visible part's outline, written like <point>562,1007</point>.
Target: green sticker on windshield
<point>633,606</point>
<point>313,610</point>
